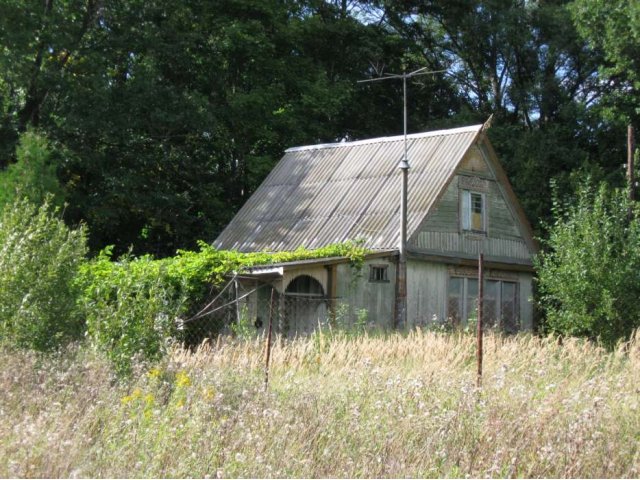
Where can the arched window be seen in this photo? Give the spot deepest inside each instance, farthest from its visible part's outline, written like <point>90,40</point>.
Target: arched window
<point>305,285</point>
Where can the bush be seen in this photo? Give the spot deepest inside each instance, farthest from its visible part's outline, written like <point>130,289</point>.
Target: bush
<point>130,306</point>
<point>589,276</point>
<point>39,259</point>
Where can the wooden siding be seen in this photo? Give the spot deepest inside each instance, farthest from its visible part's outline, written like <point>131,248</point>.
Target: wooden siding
<point>525,284</point>
<point>447,242</point>
<point>426,292</point>
<point>355,292</point>
<point>441,230</point>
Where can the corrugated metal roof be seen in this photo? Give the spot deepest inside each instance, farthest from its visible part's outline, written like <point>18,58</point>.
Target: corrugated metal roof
<point>322,194</point>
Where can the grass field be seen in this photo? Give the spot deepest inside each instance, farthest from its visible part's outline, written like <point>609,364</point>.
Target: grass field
<point>336,406</point>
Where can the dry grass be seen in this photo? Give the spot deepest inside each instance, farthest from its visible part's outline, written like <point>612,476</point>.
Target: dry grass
<point>337,407</point>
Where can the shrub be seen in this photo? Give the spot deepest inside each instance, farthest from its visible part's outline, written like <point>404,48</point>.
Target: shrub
<point>130,306</point>
<point>39,258</point>
<point>589,275</point>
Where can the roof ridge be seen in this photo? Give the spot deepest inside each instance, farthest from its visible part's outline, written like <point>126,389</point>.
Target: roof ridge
<point>395,138</point>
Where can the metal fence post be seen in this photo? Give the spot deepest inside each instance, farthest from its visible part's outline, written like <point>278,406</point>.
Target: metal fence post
<point>268,352</point>
<point>480,306</point>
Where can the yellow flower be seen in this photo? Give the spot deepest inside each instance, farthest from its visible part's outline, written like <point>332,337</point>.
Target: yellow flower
<point>209,393</point>
<point>155,372</point>
<point>136,394</point>
<point>182,379</point>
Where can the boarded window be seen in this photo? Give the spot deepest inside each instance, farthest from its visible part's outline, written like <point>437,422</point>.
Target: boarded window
<point>509,307</point>
<point>471,298</point>
<point>490,305</point>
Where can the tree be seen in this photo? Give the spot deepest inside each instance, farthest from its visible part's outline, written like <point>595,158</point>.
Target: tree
<point>589,273</point>
<point>612,30</point>
<point>525,63</point>
<point>34,176</point>
<point>171,113</point>
<point>39,261</point>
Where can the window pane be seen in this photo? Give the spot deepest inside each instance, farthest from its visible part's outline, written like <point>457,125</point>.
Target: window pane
<point>454,310</point>
<point>490,303</point>
<point>476,203</point>
<point>471,299</point>
<point>477,214</point>
<point>378,273</point>
<point>509,307</point>
<point>465,206</point>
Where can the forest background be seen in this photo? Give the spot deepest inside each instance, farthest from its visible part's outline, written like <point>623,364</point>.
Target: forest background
<point>152,121</point>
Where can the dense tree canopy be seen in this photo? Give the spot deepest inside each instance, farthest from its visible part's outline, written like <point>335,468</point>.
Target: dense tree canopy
<point>160,117</point>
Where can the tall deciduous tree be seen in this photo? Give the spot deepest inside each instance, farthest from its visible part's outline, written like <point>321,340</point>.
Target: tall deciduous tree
<point>525,63</point>
<point>612,29</point>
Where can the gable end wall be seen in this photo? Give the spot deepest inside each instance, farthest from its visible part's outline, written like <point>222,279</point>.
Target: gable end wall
<point>441,231</point>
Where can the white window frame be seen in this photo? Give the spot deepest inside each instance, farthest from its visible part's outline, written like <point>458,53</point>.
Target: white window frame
<point>465,211</point>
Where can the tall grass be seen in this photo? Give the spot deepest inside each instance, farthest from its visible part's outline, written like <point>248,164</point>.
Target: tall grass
<point>391,406</point>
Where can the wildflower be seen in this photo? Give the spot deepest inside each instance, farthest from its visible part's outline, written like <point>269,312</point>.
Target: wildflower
<point>182,379</point>
<point>209,393</point>
<point>136,394</point>
<point>155,372</point>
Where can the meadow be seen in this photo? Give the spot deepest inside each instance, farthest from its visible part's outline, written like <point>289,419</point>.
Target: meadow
<point>400,405</point>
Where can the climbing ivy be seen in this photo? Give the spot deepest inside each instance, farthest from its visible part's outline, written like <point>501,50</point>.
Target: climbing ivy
<point>132,305</point>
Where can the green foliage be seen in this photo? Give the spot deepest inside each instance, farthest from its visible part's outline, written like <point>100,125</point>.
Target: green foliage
<point>33,176</point>
<point>243,328</point>
<point>195,271</point>
<point>39,259</point>
<point>612,30</point>
<point>132,305</point>
<point>589,275</point>
<point>172,112</point>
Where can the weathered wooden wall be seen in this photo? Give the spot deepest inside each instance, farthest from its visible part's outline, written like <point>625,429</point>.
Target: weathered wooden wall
<point>427,294</point>
<point>441,231</point>
<point>355,292</point>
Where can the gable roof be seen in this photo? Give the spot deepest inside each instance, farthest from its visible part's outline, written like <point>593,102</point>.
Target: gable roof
<point>322,194</point>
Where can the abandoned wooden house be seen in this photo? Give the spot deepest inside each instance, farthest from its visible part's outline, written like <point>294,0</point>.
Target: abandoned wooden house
<point>459,204</point>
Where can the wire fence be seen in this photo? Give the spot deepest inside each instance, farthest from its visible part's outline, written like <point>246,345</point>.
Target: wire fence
<point>247,310</point>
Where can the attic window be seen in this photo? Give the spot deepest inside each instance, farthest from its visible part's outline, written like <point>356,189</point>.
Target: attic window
<point>378,273</point>
<point>473,211</point>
